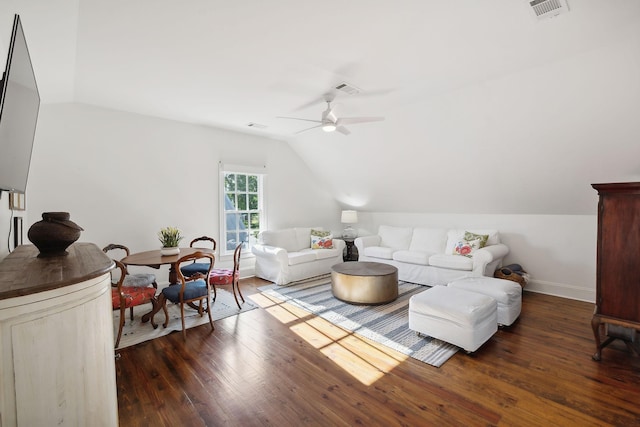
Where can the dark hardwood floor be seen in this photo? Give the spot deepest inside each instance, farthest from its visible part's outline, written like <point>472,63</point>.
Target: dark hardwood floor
<point>281,367</point>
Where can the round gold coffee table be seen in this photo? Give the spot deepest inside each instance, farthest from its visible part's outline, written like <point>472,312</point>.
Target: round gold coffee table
<point>364,282</point>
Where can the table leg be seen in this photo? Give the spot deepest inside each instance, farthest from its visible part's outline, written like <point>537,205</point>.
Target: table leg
<point>162,303</point>
<point>173,275</point>
<point>173,278</point>
<point>156,307</point>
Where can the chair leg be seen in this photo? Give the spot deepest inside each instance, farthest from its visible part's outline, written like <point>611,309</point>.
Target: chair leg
<point>184,331</point>
<point>236,283</point>
<point>200,308</point>
<point>209,313</point>
<point>238,286</point>
<point>123,313</point>
<point>233,287</point>
<point>131,313</point>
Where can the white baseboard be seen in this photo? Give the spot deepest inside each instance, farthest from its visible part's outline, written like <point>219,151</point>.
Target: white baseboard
<point>247,272</point>
<point>562,290</point>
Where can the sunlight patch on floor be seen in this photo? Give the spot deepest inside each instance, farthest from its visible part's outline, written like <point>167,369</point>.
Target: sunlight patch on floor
<point>364,372</point>
<point>274,307</point>
<point>312,335</point>
<point>365,360</point>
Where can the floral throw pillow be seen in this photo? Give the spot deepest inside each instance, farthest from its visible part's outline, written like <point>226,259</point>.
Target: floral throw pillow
<point>469,236</point>
<point>321,239</point>
<point>467,247</point>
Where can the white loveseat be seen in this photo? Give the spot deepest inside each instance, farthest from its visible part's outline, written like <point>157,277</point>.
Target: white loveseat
<point>284,256</point>
<point>426,255</point>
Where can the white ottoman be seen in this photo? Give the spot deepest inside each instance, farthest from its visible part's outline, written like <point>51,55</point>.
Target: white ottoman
<point>465,319</point>
<point>507,293</point>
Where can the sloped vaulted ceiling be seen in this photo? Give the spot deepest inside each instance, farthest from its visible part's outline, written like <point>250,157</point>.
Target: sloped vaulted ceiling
<point>487,109</point>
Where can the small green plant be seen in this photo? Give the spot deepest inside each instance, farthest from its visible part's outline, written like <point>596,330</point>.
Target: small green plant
<point>170,237</point>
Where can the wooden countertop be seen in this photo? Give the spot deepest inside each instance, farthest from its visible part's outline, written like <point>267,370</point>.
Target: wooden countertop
<point>23,273</point>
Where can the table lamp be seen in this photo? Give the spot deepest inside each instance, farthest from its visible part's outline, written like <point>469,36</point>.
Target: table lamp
<point>349,217</point>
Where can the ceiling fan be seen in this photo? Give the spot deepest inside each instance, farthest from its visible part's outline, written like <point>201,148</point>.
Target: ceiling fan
<point>330,122</point>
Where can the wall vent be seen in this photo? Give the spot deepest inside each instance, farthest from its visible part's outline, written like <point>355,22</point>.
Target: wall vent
<point>256,125</point>
<point>543,9</point>
<point>348,88</point>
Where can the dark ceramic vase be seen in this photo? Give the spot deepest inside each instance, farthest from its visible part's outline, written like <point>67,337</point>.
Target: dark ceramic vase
<point>54,233</point>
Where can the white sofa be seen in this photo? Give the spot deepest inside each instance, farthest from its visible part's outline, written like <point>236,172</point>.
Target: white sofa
<point>284,256</point>
<point>426,255</point>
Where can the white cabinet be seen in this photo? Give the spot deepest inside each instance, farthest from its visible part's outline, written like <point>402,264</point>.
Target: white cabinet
<point>56,339</point>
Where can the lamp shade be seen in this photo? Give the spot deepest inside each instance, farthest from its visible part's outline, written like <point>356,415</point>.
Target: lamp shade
<point>349,217</point>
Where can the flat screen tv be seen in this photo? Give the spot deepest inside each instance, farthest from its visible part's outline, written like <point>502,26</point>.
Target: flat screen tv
<point>19,106</point>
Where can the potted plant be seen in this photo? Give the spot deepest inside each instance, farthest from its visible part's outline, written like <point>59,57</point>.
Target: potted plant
<point>170,238</point>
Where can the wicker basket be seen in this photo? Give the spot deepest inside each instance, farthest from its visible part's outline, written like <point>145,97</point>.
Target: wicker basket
<point>507,274</point>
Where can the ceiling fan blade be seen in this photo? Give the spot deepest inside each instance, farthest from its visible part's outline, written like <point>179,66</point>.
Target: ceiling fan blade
<point>298,118</point>
<point>312,103</point>
<point>333,94</point>
<point>343,130</point>
<point>356,120</point>
<point>304,130</point>
<point>327,97</point>
<point>370,93</point>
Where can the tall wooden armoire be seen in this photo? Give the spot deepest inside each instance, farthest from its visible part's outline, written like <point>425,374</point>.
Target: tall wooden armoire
<point>617,311</point>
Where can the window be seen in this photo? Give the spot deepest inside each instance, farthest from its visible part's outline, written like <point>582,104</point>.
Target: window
<point>242,212</point>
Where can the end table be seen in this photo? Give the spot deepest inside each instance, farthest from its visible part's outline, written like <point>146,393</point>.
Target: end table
<point>350,255</point>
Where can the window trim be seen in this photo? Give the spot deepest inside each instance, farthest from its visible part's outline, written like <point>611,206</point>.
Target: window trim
<point>226,168</point>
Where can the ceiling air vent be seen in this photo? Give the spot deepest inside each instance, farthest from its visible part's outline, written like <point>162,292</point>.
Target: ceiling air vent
<point>543,9</point>
<point>348,88</point>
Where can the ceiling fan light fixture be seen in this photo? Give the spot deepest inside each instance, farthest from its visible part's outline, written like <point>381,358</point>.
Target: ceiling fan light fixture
<point>331,123</point>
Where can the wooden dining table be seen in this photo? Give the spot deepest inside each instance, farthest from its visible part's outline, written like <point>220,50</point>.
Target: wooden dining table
<point>155,259</point>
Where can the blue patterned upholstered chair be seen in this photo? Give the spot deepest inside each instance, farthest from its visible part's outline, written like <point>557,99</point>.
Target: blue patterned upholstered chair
<point>188,290</point>
<point>198,267</point>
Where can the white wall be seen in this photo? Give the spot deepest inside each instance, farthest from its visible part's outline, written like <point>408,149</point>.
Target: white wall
<point>124,176</point>
<point>559,251</point>
<point>6,225</point>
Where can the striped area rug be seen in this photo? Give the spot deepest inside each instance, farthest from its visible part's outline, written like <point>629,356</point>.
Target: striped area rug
<point>386,324</point>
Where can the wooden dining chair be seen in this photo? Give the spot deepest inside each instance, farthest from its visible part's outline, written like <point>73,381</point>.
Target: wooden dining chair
<point>138,280</point>
<point>195,266</point>
<point>222,276</point>
<point>123,297</point>
<point>188,290</point>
